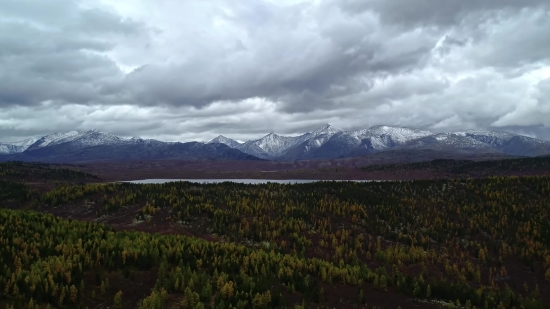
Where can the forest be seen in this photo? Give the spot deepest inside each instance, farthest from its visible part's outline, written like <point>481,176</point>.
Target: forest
<point>44,172</point>
<point>440,243</point>
<point>468,168</point>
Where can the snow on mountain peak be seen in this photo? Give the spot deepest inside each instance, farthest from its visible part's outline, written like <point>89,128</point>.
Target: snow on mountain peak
<point>16,147</point>
<point>224,140</point>
<point>54,138</point>
<point>398,133</point>
<point>81,138</point>
<point>325,140</point>
<point>274,144</point>
<point>25,143</point>
<point>326,129</point>
<point>318,137</point>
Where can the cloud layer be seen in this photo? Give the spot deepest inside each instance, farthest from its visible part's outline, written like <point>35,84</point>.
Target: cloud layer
<point>188,70</point>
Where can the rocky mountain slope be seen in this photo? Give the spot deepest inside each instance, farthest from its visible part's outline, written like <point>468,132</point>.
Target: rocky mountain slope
<point>93,145</point>
<point>326,142</point>
<point>16,147</point>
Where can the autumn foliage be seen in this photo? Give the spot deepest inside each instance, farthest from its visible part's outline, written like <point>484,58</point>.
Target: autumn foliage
<point>451,240</point>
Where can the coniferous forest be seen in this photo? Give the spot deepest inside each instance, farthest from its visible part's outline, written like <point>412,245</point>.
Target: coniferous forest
<point>69,241</point>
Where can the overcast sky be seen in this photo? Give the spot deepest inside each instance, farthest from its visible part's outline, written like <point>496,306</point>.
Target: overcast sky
<point>191,70</point>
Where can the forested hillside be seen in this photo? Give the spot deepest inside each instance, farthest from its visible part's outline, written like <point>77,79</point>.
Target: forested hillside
<point>482,243</point>
<point>467,168</point>
<point>36,171</point>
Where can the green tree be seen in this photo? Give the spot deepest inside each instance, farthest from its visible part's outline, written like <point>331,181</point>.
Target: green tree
<point>117,301</point>
<point>428,291</point>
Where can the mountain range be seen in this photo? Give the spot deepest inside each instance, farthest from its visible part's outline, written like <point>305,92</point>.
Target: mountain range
<point>326,142</point>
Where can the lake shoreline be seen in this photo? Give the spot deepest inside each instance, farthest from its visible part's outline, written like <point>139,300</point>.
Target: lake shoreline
<point>243,181</point>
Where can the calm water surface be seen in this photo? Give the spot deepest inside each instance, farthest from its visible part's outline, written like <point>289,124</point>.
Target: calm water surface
<point>247,181</point>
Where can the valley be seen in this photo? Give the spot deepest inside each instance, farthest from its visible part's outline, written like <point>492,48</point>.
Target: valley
<point>382,166</point>
<point>472,234</point>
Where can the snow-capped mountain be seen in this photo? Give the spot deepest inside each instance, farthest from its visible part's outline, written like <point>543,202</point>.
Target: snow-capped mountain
<point>16,147</point>
<point>224,140</point>
<point>493,138</point>
<point>361,142</point>
<point>318,137</point>
<point>274,146</point>
<point>77,138</point>
<point>520,145</point>
<point>398,135</point>
<point>482,141</point>
<point>26,142</point>
<point>327,129</point>
<point>268,147</point>
<point>452,141</point>
<point>92,145</point>
<point>309,142</point>
<point>328,142</point>
<point>325,142</point>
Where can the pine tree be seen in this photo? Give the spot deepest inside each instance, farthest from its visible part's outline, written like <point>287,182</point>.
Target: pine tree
<point>383,283</point>
<point>266,298</point>
<point>61,298</point>
<point>188,301</point>
<point>257,302</point>
<point>416,289</point>
<point>428,291</point>
<point>536,292</point>
<point>81,289</point>
<point>361,296</point>
<point>73,293</point>
<point>117,302</point>
<point>199,305</point>
<point>206,292</point>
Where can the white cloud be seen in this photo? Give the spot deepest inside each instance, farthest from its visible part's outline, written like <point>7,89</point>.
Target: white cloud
<point>183,70</point>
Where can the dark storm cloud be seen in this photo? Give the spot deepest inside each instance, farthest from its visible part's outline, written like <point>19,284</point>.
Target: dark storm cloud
<point>181,70</point>
<point>66,77</point>
<point>437,12</point>
<point>60,59</point>
<point>303,74</point>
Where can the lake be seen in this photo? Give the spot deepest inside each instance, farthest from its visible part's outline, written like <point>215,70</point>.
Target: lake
<point>246,181</point>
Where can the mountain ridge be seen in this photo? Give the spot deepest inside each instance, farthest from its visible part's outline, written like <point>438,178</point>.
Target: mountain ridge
<point>328,142</point>
<point>325,142</point>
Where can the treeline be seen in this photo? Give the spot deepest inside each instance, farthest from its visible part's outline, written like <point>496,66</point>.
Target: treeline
<point>36,171</point>
<point>537,165</point>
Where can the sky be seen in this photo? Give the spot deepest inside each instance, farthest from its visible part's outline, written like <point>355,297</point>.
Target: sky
<point>191,70</point>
